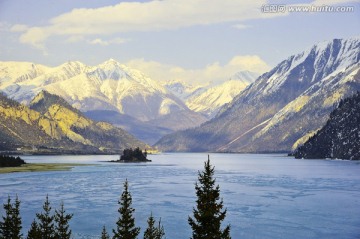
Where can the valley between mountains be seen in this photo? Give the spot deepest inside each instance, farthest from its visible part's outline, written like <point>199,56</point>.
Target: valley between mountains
<point>67,106</point>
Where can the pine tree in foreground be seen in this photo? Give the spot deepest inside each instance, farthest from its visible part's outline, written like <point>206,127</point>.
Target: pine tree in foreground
<point>34,231</point>
<point>16,220</point>
<point>62,228</point>
<point>10,225</point>
<point>153,232</point>
<point>209,212</point>
<point>104,234</point>
<point>126,223</point>
<point>5,224</point>
<point>46,221</point>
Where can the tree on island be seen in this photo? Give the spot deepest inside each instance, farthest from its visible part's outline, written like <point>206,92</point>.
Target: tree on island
<point>10,225</point>
<point>136,155</point>
<point>126,223</point>
<point>10,161</point>
<point>209,212</point>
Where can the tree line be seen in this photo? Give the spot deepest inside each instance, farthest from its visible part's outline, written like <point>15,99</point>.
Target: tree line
<point>10,161</point>
<point>205,222</point>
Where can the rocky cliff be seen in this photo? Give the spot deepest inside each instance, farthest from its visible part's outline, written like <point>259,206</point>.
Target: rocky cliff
<point>340,137</point>
<point>52,125</point>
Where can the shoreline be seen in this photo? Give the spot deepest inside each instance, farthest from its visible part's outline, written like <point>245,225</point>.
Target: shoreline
<point>40,167</point>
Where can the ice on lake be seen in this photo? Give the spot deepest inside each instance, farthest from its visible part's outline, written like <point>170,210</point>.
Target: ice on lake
<point>267,196</point>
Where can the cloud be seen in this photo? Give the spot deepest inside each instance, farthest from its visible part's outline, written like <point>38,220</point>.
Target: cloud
<point>214,72</point>
<point>241,26</point>
<point>101,42</point>
<point>155,15</point>
<point>75,38</point>
<point>19,28</point>
<point>35,37</point>
<point>144,16</point>
<point>5,26</point>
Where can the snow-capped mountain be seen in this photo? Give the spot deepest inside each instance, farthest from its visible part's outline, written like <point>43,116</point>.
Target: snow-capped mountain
<point>208,98</point>
<point>212,99</point>
<point>246,77</point>
<point>184,90</point>
<point>109,86</point>
<point>283,107</point>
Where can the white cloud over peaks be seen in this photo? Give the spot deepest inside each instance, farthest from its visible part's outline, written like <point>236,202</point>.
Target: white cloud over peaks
<point>241,26</point>
<point>19,28</point>
<point>102,42</point>
<point>144,16</point>
<point>214,72</point>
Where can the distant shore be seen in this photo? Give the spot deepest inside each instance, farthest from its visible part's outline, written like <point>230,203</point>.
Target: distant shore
<point>40,167</point>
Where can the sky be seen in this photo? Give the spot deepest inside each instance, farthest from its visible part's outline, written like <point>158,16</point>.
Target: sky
<point>190,40</point>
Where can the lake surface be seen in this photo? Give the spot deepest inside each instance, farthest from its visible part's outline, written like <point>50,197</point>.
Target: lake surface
<point>267,196</point>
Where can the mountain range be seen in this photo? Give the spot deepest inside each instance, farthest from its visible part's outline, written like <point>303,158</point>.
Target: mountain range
<point>283,107</point>
<point>211,99</point>
<point>51,125</point>
<point>277,111</point>
<point>115,93</point>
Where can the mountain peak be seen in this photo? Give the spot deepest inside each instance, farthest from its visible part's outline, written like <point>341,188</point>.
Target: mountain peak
<point>73,64</point>
<point>43,100</point>
<point>111,62</point>
<point>245,76</point>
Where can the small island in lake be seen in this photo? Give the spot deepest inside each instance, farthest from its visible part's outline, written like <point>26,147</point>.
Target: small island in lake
<point>133,156</point>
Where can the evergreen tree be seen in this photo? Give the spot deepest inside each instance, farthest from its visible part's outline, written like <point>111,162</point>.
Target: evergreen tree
<point>62,219</point>
<point>10,226</point>
<point>104,234</point>
<point>6,223</point>
<point>34,231</point>
<point>160,231</point>
<point>46,221</point>
<point>16,220</point>
<point>153,232</point>
<point>209,212</point>
<point>150,231</point>
<point>126,223</point>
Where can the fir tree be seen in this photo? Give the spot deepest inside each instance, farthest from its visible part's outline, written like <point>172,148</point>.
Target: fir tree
<point>62,219</point>
<point>150,231</point>
<point>10,226</point>
<point>34,231</point>
<point>46,221</point>
<point>209,212</point>
<point>6,223</point>
<point>160,230</point>
<point>16,220</point>
<point>104,234</point>
<point>153,232</point>
<point>126,223</point>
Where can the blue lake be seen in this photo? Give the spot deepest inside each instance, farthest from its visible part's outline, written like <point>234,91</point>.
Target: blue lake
<point>267,196</point>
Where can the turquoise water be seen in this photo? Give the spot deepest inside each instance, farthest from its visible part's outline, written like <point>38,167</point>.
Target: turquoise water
<point>267,196</point>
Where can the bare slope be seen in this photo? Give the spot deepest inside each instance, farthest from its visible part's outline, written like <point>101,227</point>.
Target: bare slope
<point>52,125</point>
